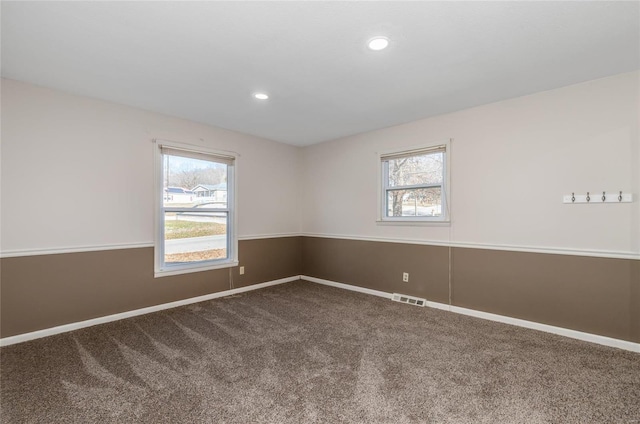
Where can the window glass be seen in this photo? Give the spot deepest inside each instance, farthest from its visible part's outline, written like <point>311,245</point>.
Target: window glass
<point>415,202</point>
<point>196,214</point>
<point>414,184</point>
<point>412,170</point>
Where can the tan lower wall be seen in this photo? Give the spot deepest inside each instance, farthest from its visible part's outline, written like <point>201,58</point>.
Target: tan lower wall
<point>379,266</point>
<point>39,292</point>
<point>581,293</point>
<point>595,295</point>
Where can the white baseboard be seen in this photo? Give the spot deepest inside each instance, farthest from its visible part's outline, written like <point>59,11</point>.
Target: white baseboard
<point>437,305</point>
<point>115,317</point>
<point>579,335</point>
<point>587,337</point>
<point>347,287</point>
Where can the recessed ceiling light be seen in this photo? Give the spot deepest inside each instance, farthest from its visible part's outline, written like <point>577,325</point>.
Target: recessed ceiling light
<point>261,96</point>
<point>378,43</point>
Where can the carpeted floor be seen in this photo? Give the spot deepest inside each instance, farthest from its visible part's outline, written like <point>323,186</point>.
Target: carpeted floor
<point>306,353</point>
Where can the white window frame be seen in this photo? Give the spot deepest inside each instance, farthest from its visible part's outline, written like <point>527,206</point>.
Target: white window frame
<point>160,268</point>
<point>383,181</point>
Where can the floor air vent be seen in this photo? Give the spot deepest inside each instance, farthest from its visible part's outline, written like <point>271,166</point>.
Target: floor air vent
<point>409,299</point>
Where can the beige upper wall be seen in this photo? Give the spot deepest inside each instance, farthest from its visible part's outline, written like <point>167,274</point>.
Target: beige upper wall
<point>78,172</point>
<point>511,163</point>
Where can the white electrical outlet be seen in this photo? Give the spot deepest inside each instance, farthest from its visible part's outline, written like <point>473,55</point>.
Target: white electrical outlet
<point>405,277</point>
<point>241,270</point>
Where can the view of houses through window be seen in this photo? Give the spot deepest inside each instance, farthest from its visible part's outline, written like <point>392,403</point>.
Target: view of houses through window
<point>196,212</point>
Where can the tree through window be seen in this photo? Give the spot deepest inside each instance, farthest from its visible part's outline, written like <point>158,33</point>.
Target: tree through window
<point>414,185</point>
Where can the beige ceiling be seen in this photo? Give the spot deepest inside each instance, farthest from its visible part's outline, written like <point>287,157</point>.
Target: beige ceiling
<point>203,60</point>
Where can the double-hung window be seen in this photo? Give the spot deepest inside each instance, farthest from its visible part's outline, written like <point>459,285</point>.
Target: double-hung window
<point>415,184</point>
<point>195,219</point>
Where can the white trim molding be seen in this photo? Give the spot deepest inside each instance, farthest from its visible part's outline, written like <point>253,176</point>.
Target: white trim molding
<point>98,247</point>
<point>76,249</point>
<point>488,246</point>
<point>268,236</point>
<point>444,243</point>
<point>573,334</point>
<point>123,315</point>
<point>551,250</point>
<point>416,223</point>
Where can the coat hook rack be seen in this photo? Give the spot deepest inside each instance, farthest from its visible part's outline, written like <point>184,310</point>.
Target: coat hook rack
<point>607,197</point>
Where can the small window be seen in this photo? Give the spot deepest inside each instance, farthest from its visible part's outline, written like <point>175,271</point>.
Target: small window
<point>195,218</point>
<point>415,184</point>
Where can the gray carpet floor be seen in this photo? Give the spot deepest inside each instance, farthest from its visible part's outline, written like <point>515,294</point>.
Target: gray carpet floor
<point>306,353</point>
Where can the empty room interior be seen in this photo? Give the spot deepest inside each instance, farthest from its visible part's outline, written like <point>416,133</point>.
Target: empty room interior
<point>319,212</point>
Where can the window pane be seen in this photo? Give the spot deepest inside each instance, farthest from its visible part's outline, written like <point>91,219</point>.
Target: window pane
<point>195,236</point>
<point>196,183</point>
<point>417,202</point>
<point>422,169</point>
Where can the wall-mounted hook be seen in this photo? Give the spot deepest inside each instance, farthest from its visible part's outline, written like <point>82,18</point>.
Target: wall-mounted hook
<point>599,197</point>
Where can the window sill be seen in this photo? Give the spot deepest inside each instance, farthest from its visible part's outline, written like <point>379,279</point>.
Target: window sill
<point>414,223</point>
<point>188,269</point>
